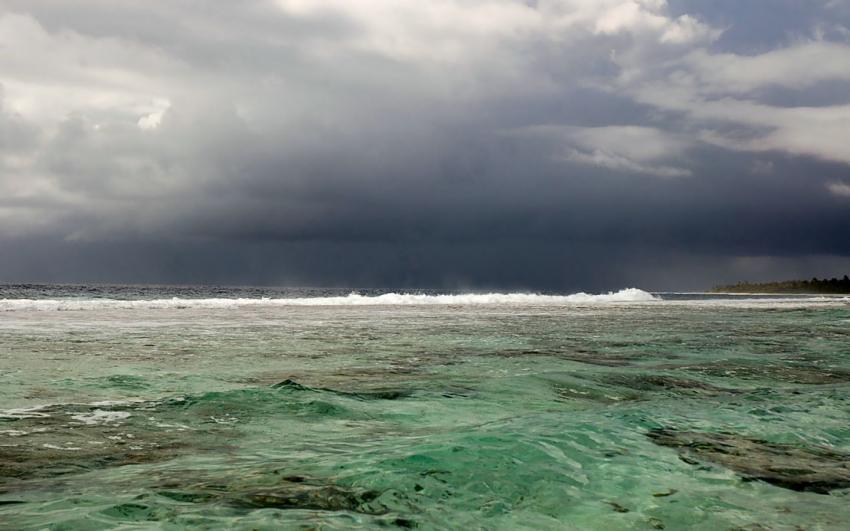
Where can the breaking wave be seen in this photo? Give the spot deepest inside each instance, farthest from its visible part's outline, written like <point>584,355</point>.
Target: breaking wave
<point>353,299</point>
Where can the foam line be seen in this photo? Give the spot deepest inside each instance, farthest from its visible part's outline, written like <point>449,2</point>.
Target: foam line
<point>353,299</point>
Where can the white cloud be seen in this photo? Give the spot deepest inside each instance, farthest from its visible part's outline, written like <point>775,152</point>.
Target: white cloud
<point>713,93</point>
<point>617,162</point>
<point>454,30</point>
<point>839,188</point>
<point>153,119</point>
<point>649,15</point>
<point>818,132</point>
<point>634,142</point>
<point>688,29</point>
<point>48,76</point>
<point>635,149</point>
<point>800,66</point>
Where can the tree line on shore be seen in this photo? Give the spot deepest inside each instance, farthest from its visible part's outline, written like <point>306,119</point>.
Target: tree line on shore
<point>815,285</point>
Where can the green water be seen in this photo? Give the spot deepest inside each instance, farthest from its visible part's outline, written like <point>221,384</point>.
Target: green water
<point>430,417</point>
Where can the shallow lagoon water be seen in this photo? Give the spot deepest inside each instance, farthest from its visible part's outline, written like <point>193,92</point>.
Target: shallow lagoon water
<point>623,412</point>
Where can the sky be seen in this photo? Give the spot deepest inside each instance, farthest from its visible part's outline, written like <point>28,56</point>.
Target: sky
<point>487,144</point>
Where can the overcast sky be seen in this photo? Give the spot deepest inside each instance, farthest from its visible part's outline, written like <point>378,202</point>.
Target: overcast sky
<point>543,144</point>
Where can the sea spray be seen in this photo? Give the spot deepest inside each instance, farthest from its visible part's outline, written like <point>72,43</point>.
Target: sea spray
<point>352,299</point>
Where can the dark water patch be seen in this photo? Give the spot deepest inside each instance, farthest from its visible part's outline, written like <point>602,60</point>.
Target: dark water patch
<point>291,385</point>
<point>28,462</point>
<point>65,439</point>
<point>590,357</point>
<point>367,391</point>
<point>661,383</point>
<point>284,493</point>
<point>135,512</point>
<point>41,393</point>
<point>786,373</point>
<point>811,469</point>
<point>617,508</point>
<point>379,372</point>
<point>377,394</point>
<point>616,387</point>
<point>326,498</point>
<point>601,361</point>
<point>126,382</point>
<point>616,358</point>
<point>389,394</point>
<point>187,497</point>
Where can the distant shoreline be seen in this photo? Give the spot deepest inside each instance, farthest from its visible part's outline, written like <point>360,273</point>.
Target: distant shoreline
<point>815,286</point>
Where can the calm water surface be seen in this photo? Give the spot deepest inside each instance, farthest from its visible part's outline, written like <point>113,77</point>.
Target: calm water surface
<point>123,407</point>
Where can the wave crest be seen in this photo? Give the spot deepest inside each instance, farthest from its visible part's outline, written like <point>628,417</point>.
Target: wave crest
<point>353,299</point>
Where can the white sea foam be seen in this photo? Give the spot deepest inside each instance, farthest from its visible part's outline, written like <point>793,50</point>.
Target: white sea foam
<point>66,448</point>
<point>625,296</point>
<point>99,416</point>
<point>24,412</point>
<point>353,299</point>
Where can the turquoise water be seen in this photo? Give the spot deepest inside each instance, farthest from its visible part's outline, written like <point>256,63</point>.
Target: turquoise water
<point>126,408</point>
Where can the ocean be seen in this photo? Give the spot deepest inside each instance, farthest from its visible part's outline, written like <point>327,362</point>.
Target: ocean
<point>133,407</point>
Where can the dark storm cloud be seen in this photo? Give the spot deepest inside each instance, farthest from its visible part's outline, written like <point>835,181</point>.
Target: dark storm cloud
<point>564,144</point>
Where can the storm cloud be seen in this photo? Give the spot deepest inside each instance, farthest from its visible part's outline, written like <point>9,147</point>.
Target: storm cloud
<point>560,144</point>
